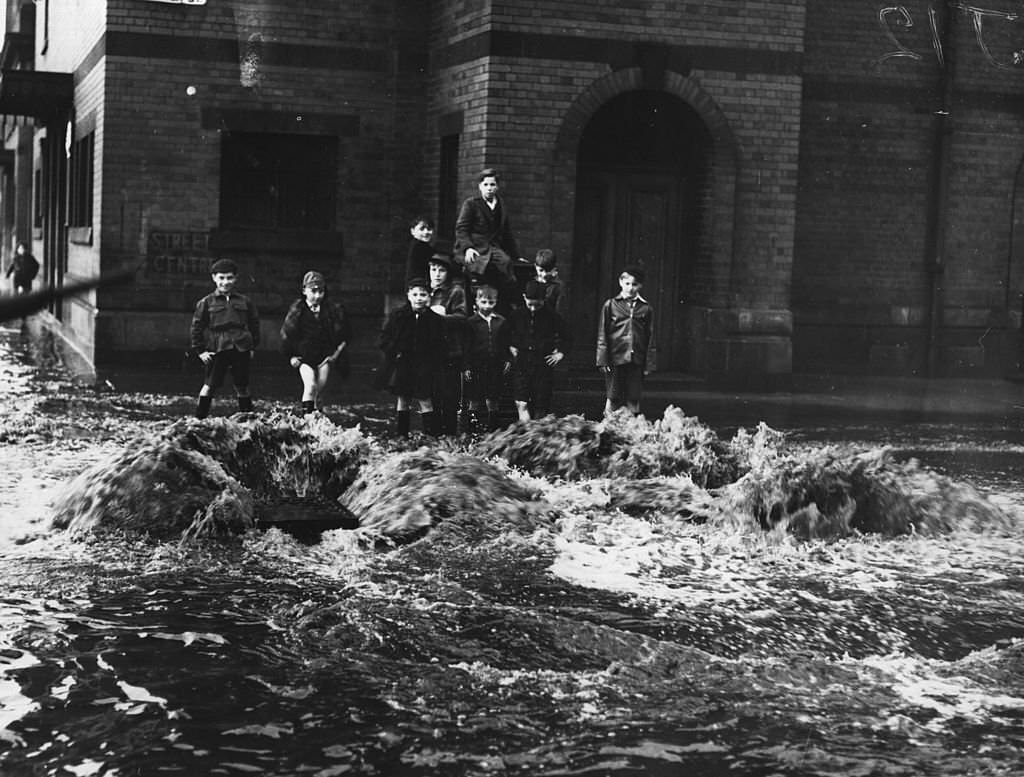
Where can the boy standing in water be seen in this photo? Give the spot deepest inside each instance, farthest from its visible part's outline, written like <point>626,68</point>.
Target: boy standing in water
<point>225,332</point>
<point>314,336</point>
<point>538,339</point>
<point>625,343</point>
<point>487,358</point>
<point>414,345</point>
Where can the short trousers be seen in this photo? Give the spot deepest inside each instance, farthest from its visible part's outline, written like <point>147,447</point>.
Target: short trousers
<point>238,362</point>
<point>534,384</point>
<point>488,383</point>
<point>625,383</point>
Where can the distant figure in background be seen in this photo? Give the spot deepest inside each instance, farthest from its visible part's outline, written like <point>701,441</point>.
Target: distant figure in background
<point>626,352</point>
<point>538,340</point>
<point>421,247</point>
<point>314,336</point>
<point>485,246</point>
<point>24,268</point>
<point>225,332</point>
<point>415,348</point>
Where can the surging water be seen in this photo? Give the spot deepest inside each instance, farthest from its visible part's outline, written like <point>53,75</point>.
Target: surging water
<point>621,612</point>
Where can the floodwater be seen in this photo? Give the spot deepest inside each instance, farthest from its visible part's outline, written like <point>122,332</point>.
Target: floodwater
<point>549,604</point>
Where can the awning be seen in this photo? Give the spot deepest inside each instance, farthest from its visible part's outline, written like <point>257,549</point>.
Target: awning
<point>35,93</point>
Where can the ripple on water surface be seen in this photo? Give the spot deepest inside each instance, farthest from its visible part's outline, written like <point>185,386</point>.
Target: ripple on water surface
<point>628,612</point>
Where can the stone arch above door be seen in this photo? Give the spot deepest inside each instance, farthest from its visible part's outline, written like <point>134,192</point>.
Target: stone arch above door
<point>718,252</point>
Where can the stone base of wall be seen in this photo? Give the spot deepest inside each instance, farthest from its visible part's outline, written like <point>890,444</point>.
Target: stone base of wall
<point>961,352</point>
<point>742,347</point>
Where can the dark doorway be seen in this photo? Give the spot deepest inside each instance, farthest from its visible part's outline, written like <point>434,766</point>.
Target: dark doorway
<point>642,188</point>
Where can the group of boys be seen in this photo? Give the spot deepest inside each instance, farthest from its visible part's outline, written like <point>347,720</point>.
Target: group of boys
<point>447,351</point>
<point>474,349</point>
<point>489,347</point>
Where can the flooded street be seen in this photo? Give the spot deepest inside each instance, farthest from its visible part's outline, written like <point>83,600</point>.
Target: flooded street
<point>572,598</point>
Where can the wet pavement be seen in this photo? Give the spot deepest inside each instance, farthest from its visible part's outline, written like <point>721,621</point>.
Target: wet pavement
<point>807,401</point>
<point>810,400</point>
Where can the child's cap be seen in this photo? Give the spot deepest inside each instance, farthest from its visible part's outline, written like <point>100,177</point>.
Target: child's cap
<point>546,259</point>
<point>416,283</point>
<point>442,259</point>
<point>534,290</point>
<point>313,280</point>
<point>636,271</point>
<point>224,266</point>
<point>486,290</point>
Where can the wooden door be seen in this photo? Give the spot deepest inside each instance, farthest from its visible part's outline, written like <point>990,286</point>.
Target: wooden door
<point>629,218</point>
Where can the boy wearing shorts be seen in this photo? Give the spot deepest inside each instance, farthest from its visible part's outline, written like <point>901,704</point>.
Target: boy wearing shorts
<point>625,343</point>
<point>224,333</point>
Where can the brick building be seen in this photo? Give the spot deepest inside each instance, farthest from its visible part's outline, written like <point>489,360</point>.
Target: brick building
<point>812,185</point>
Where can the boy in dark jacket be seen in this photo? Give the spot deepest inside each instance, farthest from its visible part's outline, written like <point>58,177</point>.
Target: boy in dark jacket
<point>625,343</point>
<point>224,333</point>
<point>485,245</point>
<point>448,300</point>
<point>538,339</point>
<point>421,247</point>
<point>314,336</point>
<point>415,348</point>
<point>545,267</point>
<point>487,358</point>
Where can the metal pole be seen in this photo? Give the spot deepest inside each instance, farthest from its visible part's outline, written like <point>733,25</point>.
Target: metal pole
<point>935,243</point>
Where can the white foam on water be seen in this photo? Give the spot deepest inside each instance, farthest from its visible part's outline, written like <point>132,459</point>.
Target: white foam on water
<point>934,687</point>
<point>14,705</point>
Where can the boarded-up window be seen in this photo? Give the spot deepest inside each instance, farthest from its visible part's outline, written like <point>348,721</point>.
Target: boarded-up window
<point>80,192</point>
<point>278,181</point>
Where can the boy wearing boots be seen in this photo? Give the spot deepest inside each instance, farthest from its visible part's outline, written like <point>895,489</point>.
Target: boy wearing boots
<point>487,359</point>
<point>448,300</point>
<point>415,349</point>
<point>225,332</point>
<point>314,336</point>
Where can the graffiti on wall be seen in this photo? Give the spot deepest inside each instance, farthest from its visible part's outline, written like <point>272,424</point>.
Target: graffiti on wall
<point>178,252</point>
<point>999,34</point>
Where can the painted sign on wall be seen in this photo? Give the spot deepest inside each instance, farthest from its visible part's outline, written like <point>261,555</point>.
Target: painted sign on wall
<point>178,252</point>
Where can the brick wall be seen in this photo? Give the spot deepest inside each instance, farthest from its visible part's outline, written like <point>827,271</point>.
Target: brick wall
<point>822,119</point>
<point>862,286</point>
<point>529,75</point>
<point>177,76</point>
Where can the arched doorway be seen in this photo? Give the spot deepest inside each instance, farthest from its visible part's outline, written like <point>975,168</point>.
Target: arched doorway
<point>642,189</point>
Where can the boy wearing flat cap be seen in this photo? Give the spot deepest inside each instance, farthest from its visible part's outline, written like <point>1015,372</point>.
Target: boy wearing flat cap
<point>538,340</point>
<point>224,333</point>
<point>314,336</point>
